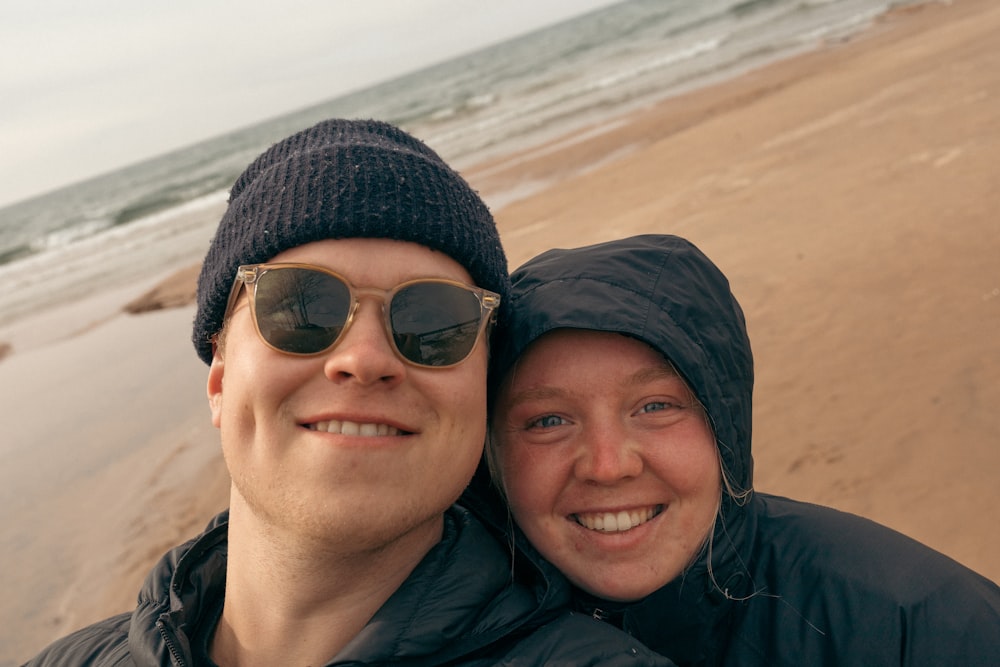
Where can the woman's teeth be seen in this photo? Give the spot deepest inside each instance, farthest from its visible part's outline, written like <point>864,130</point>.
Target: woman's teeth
<point>617,522</point>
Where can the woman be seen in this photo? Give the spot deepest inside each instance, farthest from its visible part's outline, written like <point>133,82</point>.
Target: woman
<point>620,437</point>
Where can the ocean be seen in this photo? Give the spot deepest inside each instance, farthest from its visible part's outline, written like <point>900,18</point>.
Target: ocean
<point>153,216</point>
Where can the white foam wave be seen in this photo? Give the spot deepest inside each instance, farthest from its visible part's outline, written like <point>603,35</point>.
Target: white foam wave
<point>113,256</point>
<point>641,69</point>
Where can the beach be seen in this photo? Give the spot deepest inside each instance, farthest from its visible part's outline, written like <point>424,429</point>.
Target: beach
<point>851,196</point>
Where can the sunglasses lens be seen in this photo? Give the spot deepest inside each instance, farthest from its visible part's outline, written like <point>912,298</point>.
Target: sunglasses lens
<point>299,310</point>
<point>435,324</point>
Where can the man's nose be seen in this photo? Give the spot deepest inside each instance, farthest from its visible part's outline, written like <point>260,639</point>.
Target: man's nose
<point>364,353</point>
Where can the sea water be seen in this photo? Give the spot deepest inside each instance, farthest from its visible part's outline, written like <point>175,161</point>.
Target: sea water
<point>147,218</point>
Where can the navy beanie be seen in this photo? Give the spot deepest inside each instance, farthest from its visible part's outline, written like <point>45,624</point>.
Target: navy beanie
<point>346,179</point>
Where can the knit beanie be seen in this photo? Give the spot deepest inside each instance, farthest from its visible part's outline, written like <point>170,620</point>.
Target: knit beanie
<point>346,179</point>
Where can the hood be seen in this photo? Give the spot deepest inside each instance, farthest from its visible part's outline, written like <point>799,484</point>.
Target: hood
<point>661,290</point>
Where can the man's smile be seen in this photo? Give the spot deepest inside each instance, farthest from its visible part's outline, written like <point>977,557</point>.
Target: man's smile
<point>344,427</point>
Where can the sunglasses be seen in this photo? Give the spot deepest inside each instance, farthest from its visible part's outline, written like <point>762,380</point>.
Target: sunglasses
<point>304,310</point>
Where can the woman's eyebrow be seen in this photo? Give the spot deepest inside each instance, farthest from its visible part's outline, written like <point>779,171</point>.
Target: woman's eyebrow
<point>653,373</point>
<point>641,377</point>
<point>534,394</point>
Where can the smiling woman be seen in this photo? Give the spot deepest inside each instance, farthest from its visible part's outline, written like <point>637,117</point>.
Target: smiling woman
<point>620,439</point>
<point>583,411</point>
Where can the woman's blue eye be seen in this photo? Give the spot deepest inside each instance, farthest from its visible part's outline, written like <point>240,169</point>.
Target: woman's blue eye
<point>547,421</point>
<point>660,406</point>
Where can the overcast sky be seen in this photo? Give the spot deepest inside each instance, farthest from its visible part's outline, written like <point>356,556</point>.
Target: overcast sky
<point>86,87</point>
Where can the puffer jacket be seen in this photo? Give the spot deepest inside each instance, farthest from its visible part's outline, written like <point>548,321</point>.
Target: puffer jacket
<point>790,583</point>
<point>458,607</point>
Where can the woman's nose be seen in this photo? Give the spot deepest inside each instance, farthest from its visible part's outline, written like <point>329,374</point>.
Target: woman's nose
<point>607,456</point>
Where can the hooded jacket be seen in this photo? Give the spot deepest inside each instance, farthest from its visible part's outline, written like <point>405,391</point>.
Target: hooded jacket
<point>458,607</point>
<point>790,583</point>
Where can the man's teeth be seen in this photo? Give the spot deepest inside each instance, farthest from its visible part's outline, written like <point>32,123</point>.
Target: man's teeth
<point>617,522</point>
<point>354,428</point>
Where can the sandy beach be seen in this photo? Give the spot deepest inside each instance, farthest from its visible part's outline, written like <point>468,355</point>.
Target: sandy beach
<point>851,195</point>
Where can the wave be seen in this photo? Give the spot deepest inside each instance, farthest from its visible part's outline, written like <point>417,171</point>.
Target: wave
<point>117,255</point>
<point>666,60</point>
<point>750,6</point>
<point>846,27</point>
<point>70,234</point>
<point>15,252</point>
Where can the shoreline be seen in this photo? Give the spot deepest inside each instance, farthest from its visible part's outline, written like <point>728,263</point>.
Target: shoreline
<point>845,191</point>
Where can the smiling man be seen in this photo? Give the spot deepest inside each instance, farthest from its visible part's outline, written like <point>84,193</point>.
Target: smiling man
<point>344,310</point>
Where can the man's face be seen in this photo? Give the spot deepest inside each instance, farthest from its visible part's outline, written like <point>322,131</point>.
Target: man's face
<point>608,461</point>
<point>349,489</point>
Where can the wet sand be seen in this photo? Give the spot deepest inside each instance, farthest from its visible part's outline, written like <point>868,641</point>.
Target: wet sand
<point>850,194</point>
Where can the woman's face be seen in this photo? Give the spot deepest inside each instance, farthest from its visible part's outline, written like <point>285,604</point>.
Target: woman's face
<point>609,464</point>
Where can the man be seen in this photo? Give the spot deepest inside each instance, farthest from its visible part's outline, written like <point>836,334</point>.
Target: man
<point>343,308</point>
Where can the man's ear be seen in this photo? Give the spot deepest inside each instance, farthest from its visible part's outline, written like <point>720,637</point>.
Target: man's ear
<point>215,372</point>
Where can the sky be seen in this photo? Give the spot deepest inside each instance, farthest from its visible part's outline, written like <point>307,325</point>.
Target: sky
<point>87,87</point>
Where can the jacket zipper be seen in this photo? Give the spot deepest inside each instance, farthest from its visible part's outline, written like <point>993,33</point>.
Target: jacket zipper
<point>169,641</point>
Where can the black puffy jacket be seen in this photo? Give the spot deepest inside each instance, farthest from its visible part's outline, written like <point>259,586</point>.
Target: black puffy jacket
<point>458,607</point>
<point>790,584</point>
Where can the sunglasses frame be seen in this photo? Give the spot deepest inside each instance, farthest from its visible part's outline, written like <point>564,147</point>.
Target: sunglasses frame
<point>247,275</point>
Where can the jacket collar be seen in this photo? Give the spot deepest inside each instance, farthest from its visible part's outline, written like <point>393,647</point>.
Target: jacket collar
<point>462,590</point>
